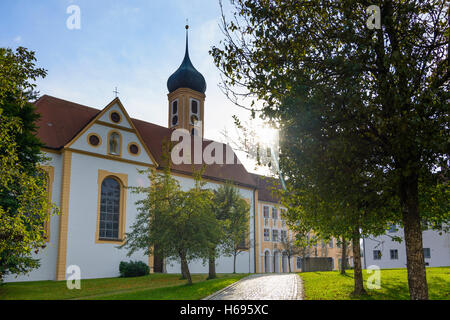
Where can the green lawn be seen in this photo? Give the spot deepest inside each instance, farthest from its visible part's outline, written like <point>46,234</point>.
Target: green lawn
<point>394,285</point>
<point>154,286</point>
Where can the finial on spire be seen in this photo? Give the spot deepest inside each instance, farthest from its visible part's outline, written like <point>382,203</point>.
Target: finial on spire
<point>187,24</point>
<point>116,92</point>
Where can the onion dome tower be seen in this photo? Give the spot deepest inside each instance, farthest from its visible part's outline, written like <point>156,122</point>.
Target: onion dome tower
<point>186,96</point>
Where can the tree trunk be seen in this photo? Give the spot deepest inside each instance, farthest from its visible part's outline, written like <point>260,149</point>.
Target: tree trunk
<point>234,263</point>
<point>415,261</point>
<point>158,261</point>
<point>343,256</point>
<point>359,286</point>
<point>289,263</point>
<point>185,267</point>
<point>212,265</point>
<point>183,270</point>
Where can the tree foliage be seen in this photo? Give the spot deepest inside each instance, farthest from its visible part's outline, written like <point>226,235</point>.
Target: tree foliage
<point>180,224</point>
<point>24,203</point>
<point>356,105</point>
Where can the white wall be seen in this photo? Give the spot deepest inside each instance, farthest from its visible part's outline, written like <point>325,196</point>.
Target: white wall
<point>97,260</point>
<point>439,246</point>
<point>244,261</point>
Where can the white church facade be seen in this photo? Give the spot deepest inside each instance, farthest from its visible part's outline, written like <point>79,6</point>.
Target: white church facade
<point>94,154</point>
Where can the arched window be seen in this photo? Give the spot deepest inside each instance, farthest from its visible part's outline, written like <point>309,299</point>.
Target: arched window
<point>109,227</point>
<point>266,261</point>
<point>174,121</point>
<point>194,112</point>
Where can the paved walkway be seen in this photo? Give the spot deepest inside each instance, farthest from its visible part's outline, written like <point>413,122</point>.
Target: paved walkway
<point>262,287</point>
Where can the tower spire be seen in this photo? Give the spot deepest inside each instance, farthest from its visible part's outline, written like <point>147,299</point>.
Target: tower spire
<point>187,39</point>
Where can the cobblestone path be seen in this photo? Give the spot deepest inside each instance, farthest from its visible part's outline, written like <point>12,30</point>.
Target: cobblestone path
<point>263,287</point>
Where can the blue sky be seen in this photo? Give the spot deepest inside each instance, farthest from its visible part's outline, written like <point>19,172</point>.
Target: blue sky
<point>134,45</point>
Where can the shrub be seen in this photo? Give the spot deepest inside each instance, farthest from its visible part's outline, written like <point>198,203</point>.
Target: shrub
<point>133,269</point>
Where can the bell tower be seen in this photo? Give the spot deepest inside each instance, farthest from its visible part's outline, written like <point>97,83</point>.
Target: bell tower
<point>186,96</point>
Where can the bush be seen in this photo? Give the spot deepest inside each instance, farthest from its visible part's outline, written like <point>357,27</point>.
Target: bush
<point>133,269</point>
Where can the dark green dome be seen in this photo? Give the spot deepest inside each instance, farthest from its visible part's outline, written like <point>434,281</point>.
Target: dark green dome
<point>186,75</point>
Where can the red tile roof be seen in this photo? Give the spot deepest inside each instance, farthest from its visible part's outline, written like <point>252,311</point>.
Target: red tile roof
<point>266,188</point>
<point>62,120</point>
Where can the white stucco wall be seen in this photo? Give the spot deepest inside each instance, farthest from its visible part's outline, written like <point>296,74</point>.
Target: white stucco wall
<point>244,261</point>
<point>439,246</point>
<point>97,260</point>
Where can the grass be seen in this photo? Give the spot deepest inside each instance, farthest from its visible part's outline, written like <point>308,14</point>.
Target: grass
<point>153,286</point>
<point>394,285</point>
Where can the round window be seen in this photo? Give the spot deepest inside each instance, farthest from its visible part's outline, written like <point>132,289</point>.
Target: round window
<point>94,140</point>
<point>134,149</point>
<point>115,117</point>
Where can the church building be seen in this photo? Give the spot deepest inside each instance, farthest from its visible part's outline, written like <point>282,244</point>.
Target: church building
<point>94,154</point>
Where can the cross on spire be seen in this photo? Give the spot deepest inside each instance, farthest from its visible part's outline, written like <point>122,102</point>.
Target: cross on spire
<point>116,92</point>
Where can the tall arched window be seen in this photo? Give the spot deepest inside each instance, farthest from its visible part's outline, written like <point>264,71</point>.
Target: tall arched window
<point>266,261</point>
<point>109,227</point>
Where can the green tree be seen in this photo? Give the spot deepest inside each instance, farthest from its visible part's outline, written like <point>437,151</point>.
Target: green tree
<point>24,202</point>
<point>175,224</point>
<point>225,200</point>
<point>387,87</point>
<point>236,227</point>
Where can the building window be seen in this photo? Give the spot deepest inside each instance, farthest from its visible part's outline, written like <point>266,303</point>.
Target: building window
<point>299,262</point>
<point>174,121</point>
<point>376,255</point>
<point>110,210</point>
<point>274,213</point>
<point>94,140</point>
<point>115,117</point>
<point>330,244</point>
<point>266,222</point>
<point>194,111</point>
<point>427,253</point>
<point>275,235</point>
<point>393,229</point>
<point>394,254</point>
<point>266,235</point>
<point>283,235</point>
<point>266,211</point>
<point>114,143</point>
<point>133,149</point>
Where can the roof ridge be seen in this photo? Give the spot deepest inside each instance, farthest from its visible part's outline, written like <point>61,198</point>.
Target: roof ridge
<point>71,102</point>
